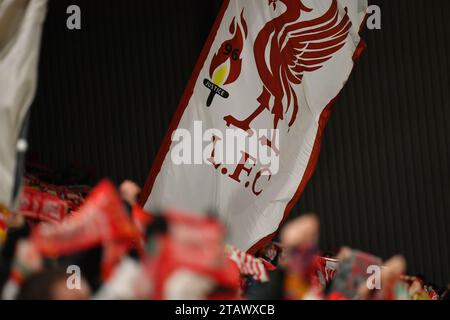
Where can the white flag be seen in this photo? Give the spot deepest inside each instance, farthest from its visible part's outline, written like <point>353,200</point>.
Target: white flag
<point>246,136</point>
<point>20,33</point>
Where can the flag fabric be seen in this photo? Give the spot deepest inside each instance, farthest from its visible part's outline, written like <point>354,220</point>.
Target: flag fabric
<point>326,269</point>
<point>249,265</point>
<point>270,73</point>
<point>42,206</point>
<point>102,219</point>
<point>21,24</point>
<point>193,244</point>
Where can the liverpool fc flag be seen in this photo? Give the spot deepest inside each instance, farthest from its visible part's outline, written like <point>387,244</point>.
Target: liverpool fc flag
<point>246,136</point>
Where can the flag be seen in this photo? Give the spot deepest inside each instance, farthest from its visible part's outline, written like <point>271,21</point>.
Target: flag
<point>267,78</point>
<point>102,219</point>
<point>42,206</point>
<point>249,265</point>
<point>326,269</point>
<point>20,32</point>
<point>194,244</point>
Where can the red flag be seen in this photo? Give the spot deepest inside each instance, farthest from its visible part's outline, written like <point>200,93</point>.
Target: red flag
<point>325,269</point>
<point>101,219</point>
<point>249,265</point>
<point>195,243</point>
<point>42,206</point>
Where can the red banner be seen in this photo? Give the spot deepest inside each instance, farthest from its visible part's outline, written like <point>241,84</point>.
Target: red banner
<point>100,220</point>
<point>42,206</point>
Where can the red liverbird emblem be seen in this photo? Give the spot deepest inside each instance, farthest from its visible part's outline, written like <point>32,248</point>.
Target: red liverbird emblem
<point>295,47</point>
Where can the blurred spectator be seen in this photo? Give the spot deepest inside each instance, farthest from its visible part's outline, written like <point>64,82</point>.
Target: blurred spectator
<point>124,252</point>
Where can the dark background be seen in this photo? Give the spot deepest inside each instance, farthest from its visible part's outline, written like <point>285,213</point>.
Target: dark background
<point>107,93</point>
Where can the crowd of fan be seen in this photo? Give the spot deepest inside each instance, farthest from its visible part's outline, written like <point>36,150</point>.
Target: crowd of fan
<point>62,244</point>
